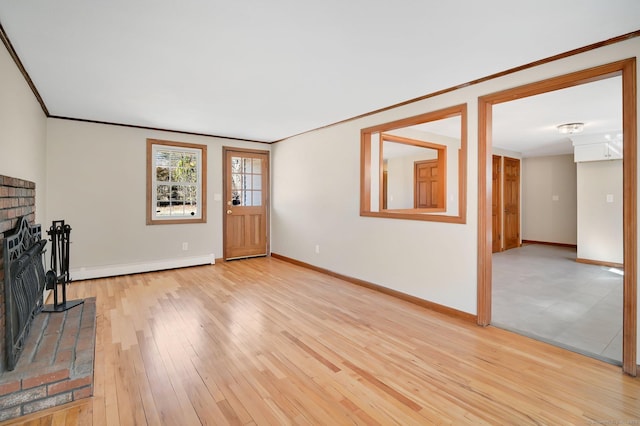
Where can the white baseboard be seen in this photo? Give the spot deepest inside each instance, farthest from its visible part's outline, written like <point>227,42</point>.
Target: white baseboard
<point>135,268</point>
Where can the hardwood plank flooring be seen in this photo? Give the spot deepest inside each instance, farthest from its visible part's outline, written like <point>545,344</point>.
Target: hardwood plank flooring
<point>261,341</point>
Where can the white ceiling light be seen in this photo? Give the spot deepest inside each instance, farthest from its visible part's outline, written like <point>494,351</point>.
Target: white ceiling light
<point>570,128</point>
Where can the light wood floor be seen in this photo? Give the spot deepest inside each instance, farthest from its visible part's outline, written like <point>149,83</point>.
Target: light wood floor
<point>261,341</point>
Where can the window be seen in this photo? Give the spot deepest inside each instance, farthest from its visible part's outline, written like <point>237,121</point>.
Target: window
<point>246,181</point>
<point>415,168</point>
<point>176,182</point>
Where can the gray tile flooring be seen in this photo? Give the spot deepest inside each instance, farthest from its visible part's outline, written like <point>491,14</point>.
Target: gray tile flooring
<point>541,291</point>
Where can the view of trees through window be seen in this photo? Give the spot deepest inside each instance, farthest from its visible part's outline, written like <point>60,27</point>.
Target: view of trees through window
<point>176,178</point>
<point>246,181</point>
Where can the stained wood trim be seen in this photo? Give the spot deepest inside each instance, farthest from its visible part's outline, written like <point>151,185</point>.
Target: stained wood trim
<point>462,167</point>
<point>630,225</point>
<point>626,68</point>
<point>390,292</point>
<point>389,214</point>
<point>440,114</point>
<point>411,141</point>
<point>159,129</point>
<point>23,71</point>
<point>414,214</point>
<point>549,243</point>
<point>533,64</point>
<point>365,173</point>
<point>203,183</point>
<point>267,196</point>
<point>600,263</point>
<point>485,194</point>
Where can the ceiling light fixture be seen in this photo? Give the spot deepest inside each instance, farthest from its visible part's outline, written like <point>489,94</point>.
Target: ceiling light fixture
<point>570,128</point>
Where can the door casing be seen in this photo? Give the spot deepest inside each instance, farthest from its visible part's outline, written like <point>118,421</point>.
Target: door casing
<point>226,223</point>
<point>627,69</point>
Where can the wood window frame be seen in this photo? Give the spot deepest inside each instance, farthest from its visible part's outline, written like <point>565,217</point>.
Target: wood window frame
<point>442,165</point>
<point>627,69</point>
<point>202,184</point>
<point>414,214</point>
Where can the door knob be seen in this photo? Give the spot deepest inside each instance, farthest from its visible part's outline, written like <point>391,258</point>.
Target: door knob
<point>229,211</point>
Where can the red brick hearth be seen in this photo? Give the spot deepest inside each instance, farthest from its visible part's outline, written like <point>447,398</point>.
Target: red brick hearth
<point>56,366</point>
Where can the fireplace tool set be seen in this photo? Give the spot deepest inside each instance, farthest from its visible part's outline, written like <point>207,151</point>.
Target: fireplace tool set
<point>58,277</point>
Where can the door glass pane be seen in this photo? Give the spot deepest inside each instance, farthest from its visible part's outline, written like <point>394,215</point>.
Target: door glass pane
<point>246,165</point>
<point>257,166</point>
<point>246,181</point>
<point>246,198</point>
<point>257,198</point>
<point>235,181</point>
<point>257,182</point>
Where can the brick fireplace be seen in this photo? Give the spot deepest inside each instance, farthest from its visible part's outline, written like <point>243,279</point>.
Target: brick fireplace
<point>56,364</point>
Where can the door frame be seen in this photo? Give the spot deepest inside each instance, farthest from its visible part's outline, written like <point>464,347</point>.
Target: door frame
<point>267,188</point>
<point>627,70</point>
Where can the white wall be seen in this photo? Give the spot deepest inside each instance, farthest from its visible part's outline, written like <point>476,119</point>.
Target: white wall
<point>97,184</point>
<point>401,179</point>
<point>600,220</point>
<point>549,199</point>
<point>453,148</point>
<point>316,199</point>
<point>22,131</point>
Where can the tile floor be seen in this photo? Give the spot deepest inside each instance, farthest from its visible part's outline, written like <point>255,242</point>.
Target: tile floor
<point>541,291</point>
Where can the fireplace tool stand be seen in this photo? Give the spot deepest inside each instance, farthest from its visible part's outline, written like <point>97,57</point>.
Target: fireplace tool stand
<point>57,277</point>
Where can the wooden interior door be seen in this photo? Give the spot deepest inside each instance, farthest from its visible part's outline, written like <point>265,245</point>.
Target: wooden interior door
<point>428,191</point>
<point>246,203</point>
<point>496,204</point>
<point>511,193</point>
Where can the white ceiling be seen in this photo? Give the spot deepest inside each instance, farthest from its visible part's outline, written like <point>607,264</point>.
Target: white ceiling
<point>529,125</point>
<point>264,71</point>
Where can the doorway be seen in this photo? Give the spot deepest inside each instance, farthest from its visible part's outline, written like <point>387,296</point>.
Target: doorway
<point>626,69</point>
<point>246,203</point>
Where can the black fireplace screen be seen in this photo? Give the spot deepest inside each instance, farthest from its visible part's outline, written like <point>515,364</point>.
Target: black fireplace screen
<point>24,278</point>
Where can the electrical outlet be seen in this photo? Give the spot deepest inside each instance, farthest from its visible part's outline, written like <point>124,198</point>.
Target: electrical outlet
<point>185,246</point>
<point>317,248</point>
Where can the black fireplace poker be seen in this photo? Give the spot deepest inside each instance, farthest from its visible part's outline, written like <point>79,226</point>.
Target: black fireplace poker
<point>58,276</point>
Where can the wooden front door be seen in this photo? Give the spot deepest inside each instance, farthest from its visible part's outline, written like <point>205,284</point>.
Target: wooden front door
<point>511,191</point>
<point>428,192</point>
<point>496,204</point>
<point>246,203</point>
